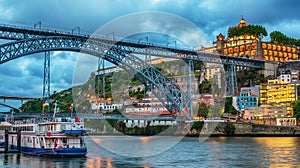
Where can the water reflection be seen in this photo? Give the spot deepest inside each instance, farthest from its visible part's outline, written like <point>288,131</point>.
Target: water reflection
<point>135,146</point>
<point>215,152</point>
<point>279,151</point>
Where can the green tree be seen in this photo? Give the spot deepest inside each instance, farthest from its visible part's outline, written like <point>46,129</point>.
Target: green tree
<point>255,30</point>
<point>229,129</point>
<point>205,87</point>
<point>278,37</point>
<point>228,106</point>
<point>197,125</point>
<point>202,110</point>
<point>296,108</point>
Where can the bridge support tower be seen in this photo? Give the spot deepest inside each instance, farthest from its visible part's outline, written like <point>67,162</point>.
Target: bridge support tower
<point>231,80</point>
<point>46,84</point>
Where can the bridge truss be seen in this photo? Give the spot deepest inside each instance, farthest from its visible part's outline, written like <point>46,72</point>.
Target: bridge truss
<point>123,54</point>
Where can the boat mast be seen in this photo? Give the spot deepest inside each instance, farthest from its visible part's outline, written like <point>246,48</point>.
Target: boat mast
<point>55,108</point>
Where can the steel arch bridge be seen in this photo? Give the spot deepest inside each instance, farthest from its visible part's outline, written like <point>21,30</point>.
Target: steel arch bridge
<point>164,88</point>
<point>9,106</point>
<point>30,41</point>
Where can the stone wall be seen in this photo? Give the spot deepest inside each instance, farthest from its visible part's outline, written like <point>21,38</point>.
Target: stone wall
<point>247,129</point>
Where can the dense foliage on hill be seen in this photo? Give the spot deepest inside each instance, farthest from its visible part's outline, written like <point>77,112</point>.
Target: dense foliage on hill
<point>255,30</point>
<point>248,77</point>
<point>296,108</point>
<point>278,37</point>
<point>228,106</point>
<point>64,101</point>
<point>203,110</point>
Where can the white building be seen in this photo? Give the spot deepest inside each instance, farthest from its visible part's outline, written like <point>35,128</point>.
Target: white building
<point>285,77</point>
<point>294,75</point>
<point>107,107</point>
<point>147,105</point>
<point>146,109</point>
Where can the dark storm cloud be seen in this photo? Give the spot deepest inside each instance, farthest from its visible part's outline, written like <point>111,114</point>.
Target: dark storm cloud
<point>24,76</point>
<point>211,15</point>
<point>90,15</point>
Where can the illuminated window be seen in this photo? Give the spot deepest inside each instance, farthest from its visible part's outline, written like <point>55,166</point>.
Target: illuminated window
<point>295,56</point>
<point>269,46</point>
<point>278,47</point>
<point>248,47</point>
<point>236,49</point>
<point>266,58</point>
<point>283,48</point>
<point>242,48</point>
<point>270,52</point>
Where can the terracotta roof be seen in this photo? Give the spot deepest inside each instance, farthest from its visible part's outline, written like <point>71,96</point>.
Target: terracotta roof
<point>241,24</point>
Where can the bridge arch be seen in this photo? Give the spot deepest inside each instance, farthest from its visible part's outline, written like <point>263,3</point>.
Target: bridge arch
<point>115,53</point>
<point>9,106</point>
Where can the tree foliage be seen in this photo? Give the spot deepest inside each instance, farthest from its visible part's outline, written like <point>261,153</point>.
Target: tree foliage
<point>278,37</point>
<point>202,110</point>
<point>197,125</point>
<point>229,129</point>
<point>205,86</point>
<point>255,30</point>
<point>296,108</point>
<point>244,77</point>
<point>228,106</point>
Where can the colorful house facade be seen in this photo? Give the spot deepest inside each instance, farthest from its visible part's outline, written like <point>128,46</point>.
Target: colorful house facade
<point>277,93</point>
<point>246,99</point>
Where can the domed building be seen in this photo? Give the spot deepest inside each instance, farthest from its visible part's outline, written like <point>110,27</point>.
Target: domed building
<point>250,46</point>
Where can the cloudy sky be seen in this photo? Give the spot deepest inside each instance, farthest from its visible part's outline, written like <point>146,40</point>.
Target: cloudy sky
<point>24,76</point>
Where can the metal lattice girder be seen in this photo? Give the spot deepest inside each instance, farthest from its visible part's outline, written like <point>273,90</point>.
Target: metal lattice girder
<point>171,95</point>
<point>101,86</point>
<point>46,82</point>
<point>18,33</point>
<point>231,80</point>
<point>109,52</point>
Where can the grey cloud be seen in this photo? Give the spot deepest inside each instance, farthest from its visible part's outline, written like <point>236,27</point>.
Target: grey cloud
<point>212,16</point>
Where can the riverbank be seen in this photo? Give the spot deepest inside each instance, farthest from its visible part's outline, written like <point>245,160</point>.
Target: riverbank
<point>249,130</point>
<point>197,128</point>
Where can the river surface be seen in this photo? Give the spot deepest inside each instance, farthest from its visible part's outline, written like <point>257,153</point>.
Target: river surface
<point>124,151</point>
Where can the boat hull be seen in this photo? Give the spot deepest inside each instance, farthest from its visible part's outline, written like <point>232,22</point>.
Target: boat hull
<point>55,152</point>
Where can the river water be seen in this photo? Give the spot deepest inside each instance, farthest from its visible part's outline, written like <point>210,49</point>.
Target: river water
<point>123,151</point>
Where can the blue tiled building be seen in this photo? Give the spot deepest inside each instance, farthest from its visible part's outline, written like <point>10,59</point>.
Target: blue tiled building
<point>246,99</point>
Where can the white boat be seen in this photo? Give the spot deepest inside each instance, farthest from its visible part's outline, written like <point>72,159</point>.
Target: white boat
<point>62,137</point>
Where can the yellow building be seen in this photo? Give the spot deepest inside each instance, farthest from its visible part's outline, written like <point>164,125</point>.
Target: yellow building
<point>277,93</point>
<point>264,112</point>
<point>250,46</point>
<point>212,69</point>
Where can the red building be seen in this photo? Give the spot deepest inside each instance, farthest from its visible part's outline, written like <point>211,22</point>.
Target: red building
<point>208,99</point>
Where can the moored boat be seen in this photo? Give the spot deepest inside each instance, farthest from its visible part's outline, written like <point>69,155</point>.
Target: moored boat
<point>4,126</point>
<point>63,137</point>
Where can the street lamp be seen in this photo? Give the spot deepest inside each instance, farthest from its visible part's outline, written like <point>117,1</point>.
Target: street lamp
<point>76,29</point>
<point>175,44</point>
<point>147,39</point>
<point>113,35</point>
<point>38,25</point>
